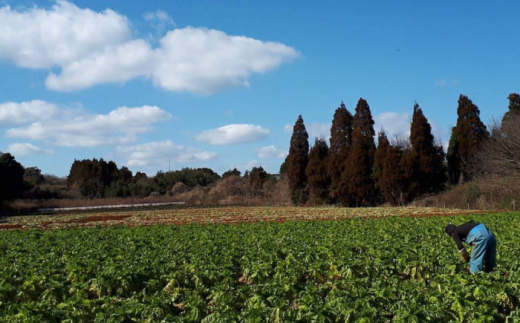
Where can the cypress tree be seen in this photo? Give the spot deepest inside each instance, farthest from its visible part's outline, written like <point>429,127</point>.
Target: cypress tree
<point>392,181</point>
<point>514,107</point>
<point>471,134</point>
<point>357,184</point>
<point>340,141</point>
<point>427,173</point>
<point>317,175</point>
<point>297,162</point>
<point>380,156</point>
<point>453,158</point>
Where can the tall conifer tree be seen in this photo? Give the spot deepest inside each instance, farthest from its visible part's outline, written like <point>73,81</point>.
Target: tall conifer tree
<point>514,107</point>
<point>380,156</point>
<point>453,158</point>
<point>471,134</point>
<point>340,142</point>
<point>428,173</point>
<point>297,162</point>
<point>357,184</point>
<point>317,175</point>
<point>392,181</point>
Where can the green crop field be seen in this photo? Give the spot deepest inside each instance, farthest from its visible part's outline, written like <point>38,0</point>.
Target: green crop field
<point>390,269</point>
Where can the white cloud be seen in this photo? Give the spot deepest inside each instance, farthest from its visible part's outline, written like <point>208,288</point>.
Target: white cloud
<point>26,112</point>
<point>206,60</point>
<point>25,149</point>
<point>189,59</point>
<point>233,134</point>
<point>446,83</point>
<point>96,48</point>
<point>113,65</point>
<point>288,128</point>
<point>318,130</point>
<point>271,152</point>
<point>394,124</point>
<point>39,38</point>
<point>120,126</point>
<point>159,153</point>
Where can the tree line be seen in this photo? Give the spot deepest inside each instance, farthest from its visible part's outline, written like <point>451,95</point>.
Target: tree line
<point>98,178</point>
<point>353,171</point>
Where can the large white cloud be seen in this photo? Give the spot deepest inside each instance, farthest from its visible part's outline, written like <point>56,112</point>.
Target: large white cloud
<point>26,112</point>
<point>96,48</point>
<point>39,38</point>
<point>26,149</point>
<point>189,59</point>
<point>233,134</point>
<point>113,65</point>
<point>271,152</point>
<point>120,126</point>
<point>159,153</point>
<point>206,60</point>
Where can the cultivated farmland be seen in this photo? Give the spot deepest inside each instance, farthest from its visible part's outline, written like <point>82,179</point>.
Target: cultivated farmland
<point>213,215</point>
<point>361,269</point>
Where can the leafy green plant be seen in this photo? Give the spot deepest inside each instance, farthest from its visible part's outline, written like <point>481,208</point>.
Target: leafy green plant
<point>398,269</point>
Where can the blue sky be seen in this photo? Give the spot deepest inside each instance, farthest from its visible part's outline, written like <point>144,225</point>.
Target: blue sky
<point>215,83</point>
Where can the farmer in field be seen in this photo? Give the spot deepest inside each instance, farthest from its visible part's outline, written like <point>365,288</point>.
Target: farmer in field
<point>483,245</point>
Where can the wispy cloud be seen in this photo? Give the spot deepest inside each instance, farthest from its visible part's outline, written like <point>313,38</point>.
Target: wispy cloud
<point>70,129</point>
<point>271,152</point>
<point>26,149</point>
<point>446,83</point>
<point>158,154</point>
<point>233,134</point>
<point>160,21</point>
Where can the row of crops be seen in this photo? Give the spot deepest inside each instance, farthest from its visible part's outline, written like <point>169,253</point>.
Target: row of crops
<point>398,269</point>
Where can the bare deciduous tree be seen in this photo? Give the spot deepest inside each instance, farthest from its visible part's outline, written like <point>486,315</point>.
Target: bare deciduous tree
<point>501,154</point>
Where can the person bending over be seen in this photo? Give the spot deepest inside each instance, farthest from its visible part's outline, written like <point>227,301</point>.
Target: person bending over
<point>483,245</point>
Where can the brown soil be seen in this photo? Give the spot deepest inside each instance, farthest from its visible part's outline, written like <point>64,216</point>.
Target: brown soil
<point>205,217</point>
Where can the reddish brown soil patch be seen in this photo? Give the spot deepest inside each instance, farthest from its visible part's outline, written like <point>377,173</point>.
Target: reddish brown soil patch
<point>205,217</point>
<point>10,226</point>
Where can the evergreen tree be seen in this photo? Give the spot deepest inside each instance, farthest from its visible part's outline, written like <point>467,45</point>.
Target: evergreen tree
<point>357,184</point>
<point>340,141</point>
<point>140,177</point>
<point>297,162</point>
<point>392,182</point>
<point>317,175</point>
<point>283,167</point>
<point>233,172</point>
<point>427,173</point>
<point>514,107</point>
<point>11,178</point>
<point>380,157</point>
<point>471,134</point>
<point>257,178</point>
<point>453,158</point>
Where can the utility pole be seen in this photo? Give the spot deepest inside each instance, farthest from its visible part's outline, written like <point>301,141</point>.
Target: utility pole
<point>169,169</point>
